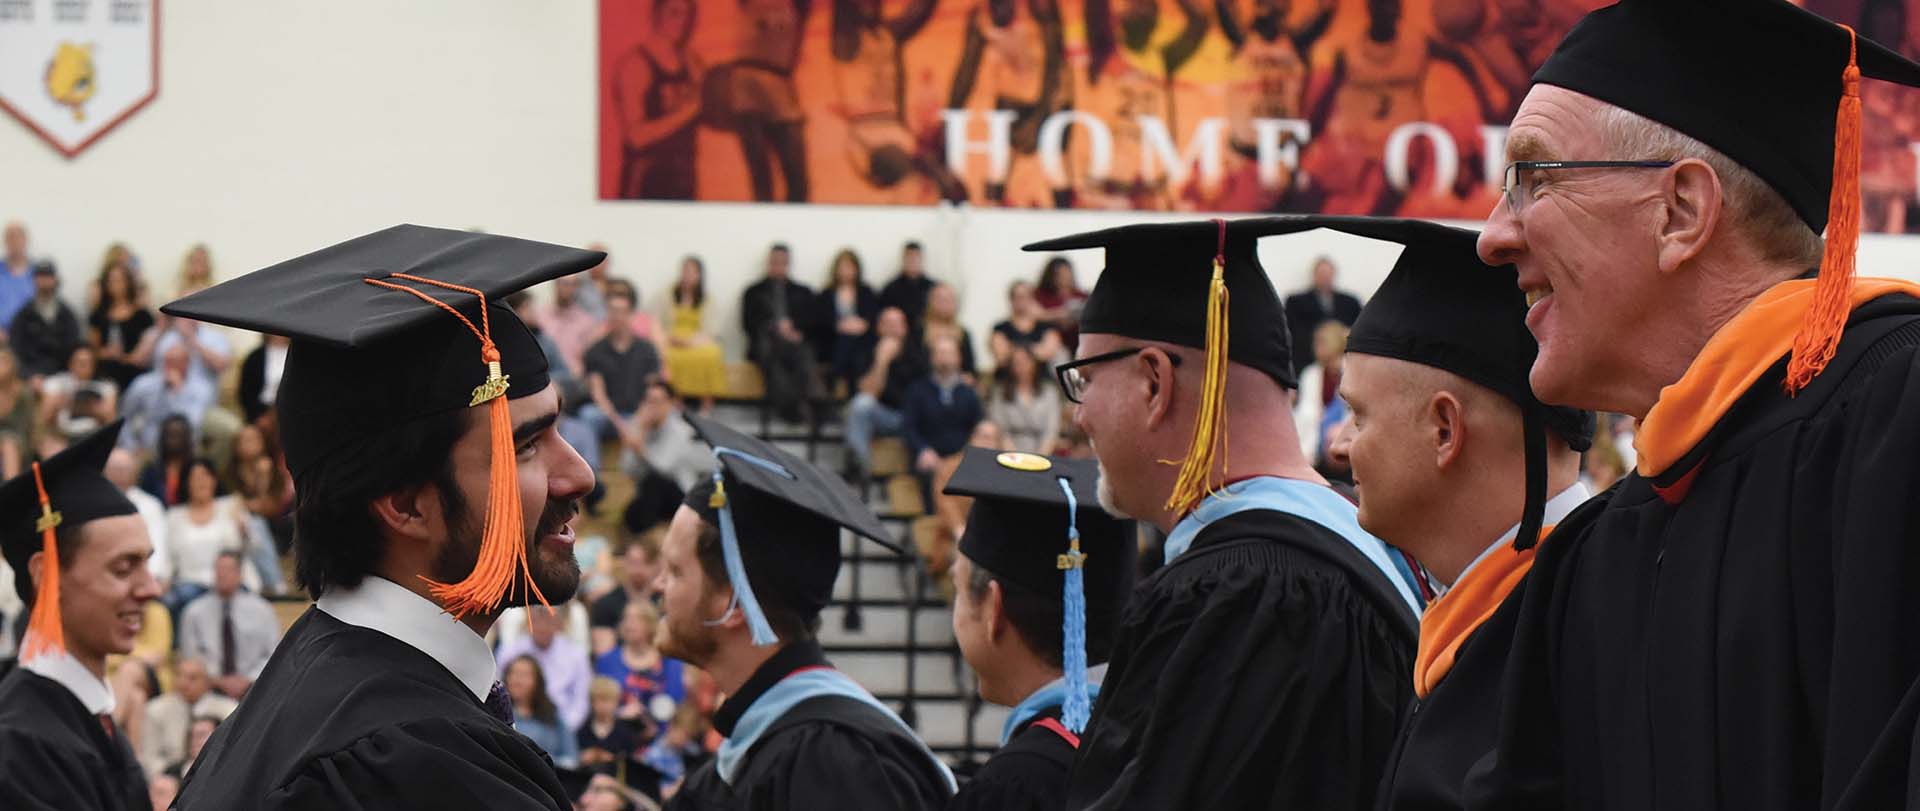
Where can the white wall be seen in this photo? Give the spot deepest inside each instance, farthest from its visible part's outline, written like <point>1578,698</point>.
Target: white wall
<point>282,127</point>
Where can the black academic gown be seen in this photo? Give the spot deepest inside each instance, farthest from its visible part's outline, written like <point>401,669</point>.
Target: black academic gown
<point>1028,774</point>
<point>55,756</point>
<point>1263,668</point>
<point>346,718</point>
<point>1749,639</point>
<point>826,752</point>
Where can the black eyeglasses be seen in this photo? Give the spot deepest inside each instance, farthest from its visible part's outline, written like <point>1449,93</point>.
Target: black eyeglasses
<point>1074,384</point>
<point>1518,195</point>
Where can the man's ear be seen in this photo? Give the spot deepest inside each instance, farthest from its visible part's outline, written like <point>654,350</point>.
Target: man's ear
<point>1160,388</point>
<point>411,513</point>
<point>993,612</point>
<point>1692,200</point>
<point>1446,425</point>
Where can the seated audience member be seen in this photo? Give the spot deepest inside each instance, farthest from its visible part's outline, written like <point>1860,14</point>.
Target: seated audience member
<point>168,391</point>
<point>941,409</point>
<point>1317,405</point>
<point>77,400</point>
<point>120,328</point>
<point>161,790</point>
<point>1026,404</point>
<point>198,732</point>
<point>232,630</point>
<point>534,714</point>
<point>651,685</point>
<point>571,385</point>
<point>890,362</point>
<point>196,272</point>
<point>1024,328</point>
<point>908,290</point>
<point>843,316</point>
<point>644,324</point>
<point>563,664</point>
<point>164,741</point>
<point>165,478</point>
<point>570,324</point>
<point>694,360</point>
<point>1602,466</point>
<point>45,331</point>
<point>259,480</point>
<point>18,405</point>
<point>123,470</point>
<point>208,350</point>
<point>666,459</point>
<point>639,565</point>
<point>199,530</point>
<point>606,741</point>
<point>260,374</point>
<point>513,624</point>
<point>16,273</point>
<point>943,321</point>
<point>774,312</point>
<point>679,750</point>
<point>604,793</point>
<point>619,367</point>
<point>1060,299</point>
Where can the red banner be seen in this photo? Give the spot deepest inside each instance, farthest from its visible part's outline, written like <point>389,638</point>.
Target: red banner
<point>1339,106</point>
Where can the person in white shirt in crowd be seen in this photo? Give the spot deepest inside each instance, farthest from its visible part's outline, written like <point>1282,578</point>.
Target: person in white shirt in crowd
<point>563,662</point>
<point>200,530</point>
<point>77,400</point>
<point>164,742</point>
<point>123,469</point>
<point>511,627</point>
<point>233,630</point>
<point>664,459</point>
<point>1317,406</point>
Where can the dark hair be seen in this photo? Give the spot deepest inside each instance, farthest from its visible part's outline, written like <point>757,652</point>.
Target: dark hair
<point>699,285</point>
<point>183,422</point>
<point>787,621</point>
<point>202,463</point>
<point>833,270</point>
<point>336,540</point>
<point>621,288</point>
<point>1038,619</point>
<point>100,282</point>
<point>1004,375</point>
<point>693,18</point>
<point>912,245</point>
<point>779,247</point>
<point>516,299</point>
<point>231,553</point>
<point>66,545</point>
<point>542,708</point>
<point>1047,272</point>
<point>658,383</point>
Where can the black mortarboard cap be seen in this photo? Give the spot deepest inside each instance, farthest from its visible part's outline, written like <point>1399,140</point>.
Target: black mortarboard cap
<point>1770,85</point>
<point>389,328</point>
<point>785,515</point>
<point>65,490</point>
<point>1155,287</point>
<point>365,358</point>
<point>1036,521</point>
<point>1442,307</point>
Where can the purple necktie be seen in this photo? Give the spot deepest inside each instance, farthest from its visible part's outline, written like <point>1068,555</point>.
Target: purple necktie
<point>499,704</point>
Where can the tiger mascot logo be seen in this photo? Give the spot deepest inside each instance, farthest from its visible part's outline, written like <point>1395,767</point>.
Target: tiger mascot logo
<point>70,77</point>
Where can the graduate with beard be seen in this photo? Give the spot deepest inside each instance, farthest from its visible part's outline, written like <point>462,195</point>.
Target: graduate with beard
<point>79,555</point>
<point>1041,575</point>
<point>749,562</point>
<point>434,492</point>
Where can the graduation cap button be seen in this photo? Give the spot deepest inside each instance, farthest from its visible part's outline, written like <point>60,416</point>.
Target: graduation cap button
<point>1024,461</point>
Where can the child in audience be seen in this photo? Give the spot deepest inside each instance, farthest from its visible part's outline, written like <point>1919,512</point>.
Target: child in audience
<point>606,740</point>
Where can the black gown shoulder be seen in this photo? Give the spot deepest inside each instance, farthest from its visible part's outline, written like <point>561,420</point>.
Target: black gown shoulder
<point>55,756</point>
<point>1263,668</point>
<point>827,752</point>
<point>345,717</point>
<point>1739,631</point>
<point>1030,772</point>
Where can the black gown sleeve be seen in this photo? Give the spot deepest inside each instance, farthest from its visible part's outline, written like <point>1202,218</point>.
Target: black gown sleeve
<point>1013,781</point>
<point>1245,687</point>
<point>825,766</point>
<point>38,775</point>
<point>429,764</point>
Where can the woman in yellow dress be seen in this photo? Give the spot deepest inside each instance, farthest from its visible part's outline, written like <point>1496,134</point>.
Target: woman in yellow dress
<point>694,361</point>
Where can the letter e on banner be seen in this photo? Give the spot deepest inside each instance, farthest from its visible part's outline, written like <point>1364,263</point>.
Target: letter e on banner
<point>72,70</point>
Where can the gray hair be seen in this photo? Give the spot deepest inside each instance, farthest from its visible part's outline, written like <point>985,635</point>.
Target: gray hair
<point>1762,216</point>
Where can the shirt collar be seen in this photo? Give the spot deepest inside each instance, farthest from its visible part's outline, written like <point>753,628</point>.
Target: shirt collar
<point>62,668</point>
<point>378,604</point>
<point>1556,509</point>
<point>791,657</point>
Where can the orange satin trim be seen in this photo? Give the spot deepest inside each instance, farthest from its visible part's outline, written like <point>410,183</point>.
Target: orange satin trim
<point>1452,618</point>
<point>1732,361</point>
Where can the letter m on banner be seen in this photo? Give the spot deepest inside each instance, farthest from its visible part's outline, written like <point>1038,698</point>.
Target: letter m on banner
<point>72,70</point>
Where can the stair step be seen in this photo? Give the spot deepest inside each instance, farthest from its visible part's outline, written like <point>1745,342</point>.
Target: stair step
<point>886,625</point>
<point>885,671</point>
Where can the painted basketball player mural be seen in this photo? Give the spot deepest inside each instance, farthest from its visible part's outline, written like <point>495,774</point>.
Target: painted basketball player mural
<point>1390,107</point>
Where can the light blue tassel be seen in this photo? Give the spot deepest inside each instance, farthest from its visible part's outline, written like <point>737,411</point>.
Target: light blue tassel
<point>743,598</point>
<point>1079,706</point>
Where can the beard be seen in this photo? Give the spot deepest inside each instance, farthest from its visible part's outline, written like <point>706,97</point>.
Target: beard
<point>686,638</point>
<point>557,580</point>
<point>1105,493</point>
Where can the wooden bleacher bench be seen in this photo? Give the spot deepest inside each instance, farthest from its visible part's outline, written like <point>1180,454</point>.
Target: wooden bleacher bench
<point>744,382</point>
<point>903,495</point>
<point>889,457</point>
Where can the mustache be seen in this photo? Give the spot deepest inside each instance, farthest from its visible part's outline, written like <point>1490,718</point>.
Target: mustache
<point>555,517</point>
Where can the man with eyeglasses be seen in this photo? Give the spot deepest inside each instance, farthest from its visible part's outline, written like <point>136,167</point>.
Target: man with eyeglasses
<point>1264,665</point>
<point>1732,625</point>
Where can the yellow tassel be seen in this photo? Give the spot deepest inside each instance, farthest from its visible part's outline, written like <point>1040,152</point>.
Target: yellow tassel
<point>1196,480</point>
<point>1819,336</point>
<point>45,633</point>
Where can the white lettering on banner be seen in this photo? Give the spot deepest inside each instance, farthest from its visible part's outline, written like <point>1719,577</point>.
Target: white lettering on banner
<point>1202,149</point>
<point>1274,152</point>
<point>1053,138</point>
<point>74,74</point>
<point>1446,155</point>
<point>997,147</point>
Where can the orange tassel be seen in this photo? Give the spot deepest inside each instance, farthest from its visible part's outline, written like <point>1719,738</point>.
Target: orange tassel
<point>45,633</point>
<point>1196,480</point>
<point>503,545</point>
<point>1819,336</point>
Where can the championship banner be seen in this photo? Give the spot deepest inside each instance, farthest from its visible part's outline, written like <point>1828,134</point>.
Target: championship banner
<point>72,70</point>
<point>1392,107</point>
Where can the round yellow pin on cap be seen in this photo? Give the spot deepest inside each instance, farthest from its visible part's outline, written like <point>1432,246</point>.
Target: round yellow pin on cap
<point>1024,461</point>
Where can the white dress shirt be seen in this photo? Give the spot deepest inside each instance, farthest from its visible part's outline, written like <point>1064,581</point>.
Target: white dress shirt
<point>378,604</point>
<point>93,692</point>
